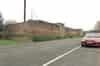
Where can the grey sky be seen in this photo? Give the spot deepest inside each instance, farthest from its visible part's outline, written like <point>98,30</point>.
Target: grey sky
<point>73,13</point>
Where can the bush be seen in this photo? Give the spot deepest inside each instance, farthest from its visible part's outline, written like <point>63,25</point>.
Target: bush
<point>38,38</point>
<point>45,38</point>
<point>58,37</point>
<point>68,36</point>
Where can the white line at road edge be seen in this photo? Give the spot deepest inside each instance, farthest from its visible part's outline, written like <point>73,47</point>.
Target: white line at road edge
<point>61,56</point>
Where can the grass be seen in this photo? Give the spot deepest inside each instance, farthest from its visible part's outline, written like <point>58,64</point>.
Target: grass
<point>7,42</point>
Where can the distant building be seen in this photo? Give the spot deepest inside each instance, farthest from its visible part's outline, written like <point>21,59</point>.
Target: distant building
<point>33,27</point>
<point>97,26</point>
<point>39,27</point>
<point>72,32</point>
<point>10,22</point>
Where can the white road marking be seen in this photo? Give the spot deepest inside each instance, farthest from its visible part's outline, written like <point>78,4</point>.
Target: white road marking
<point>61,56</point>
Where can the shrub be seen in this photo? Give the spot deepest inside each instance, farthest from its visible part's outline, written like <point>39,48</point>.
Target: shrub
<point>45,38</point>
<point>68,36</point>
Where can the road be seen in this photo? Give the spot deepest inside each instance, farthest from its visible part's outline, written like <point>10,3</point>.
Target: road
<point>37,54</point>
<point>81,57</point>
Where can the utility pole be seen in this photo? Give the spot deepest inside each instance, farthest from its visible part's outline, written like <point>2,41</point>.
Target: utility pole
<point>24,18</point>
<point>24,11</point>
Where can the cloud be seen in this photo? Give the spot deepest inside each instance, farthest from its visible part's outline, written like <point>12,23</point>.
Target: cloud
<point>74,13</point>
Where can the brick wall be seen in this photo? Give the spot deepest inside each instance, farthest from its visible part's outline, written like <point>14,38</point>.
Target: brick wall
<point>72,32</point>
<point>39,27</point>
<point>34,27</point>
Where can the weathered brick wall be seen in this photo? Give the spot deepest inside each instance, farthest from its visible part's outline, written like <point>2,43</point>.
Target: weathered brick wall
<point>34,28</point>
<point>72,32</point>
<point>42,28</point>
<point>38,27</point>
<point>15,28</point>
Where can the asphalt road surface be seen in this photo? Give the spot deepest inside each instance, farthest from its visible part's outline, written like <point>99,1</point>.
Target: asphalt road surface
<point>38,54</point>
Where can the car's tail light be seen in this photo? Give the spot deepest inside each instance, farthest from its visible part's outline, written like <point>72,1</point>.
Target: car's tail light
<point>83,40</point>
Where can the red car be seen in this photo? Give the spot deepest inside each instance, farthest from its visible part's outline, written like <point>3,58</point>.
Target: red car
<point>91,39</point>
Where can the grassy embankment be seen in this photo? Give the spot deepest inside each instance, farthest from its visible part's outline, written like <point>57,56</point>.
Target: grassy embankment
<point>7,42</point>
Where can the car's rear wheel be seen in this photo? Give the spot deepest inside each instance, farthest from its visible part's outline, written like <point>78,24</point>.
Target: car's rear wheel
<point>83,44</point>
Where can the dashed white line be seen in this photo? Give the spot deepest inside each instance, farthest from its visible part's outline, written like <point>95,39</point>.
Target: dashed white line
<point>61,56</point>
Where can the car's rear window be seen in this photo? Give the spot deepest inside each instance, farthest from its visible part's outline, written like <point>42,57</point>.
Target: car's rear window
<point>93,35</point>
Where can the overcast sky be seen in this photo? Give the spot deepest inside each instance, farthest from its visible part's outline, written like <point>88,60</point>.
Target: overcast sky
<point>73,13</point>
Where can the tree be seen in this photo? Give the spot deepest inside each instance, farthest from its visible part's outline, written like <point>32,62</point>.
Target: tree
<point>1,22</point>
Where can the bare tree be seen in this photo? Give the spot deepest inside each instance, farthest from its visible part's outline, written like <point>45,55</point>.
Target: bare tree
<point>1,22</point>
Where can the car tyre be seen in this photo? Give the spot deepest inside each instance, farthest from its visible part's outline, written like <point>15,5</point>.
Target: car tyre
<point>83,45</point>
